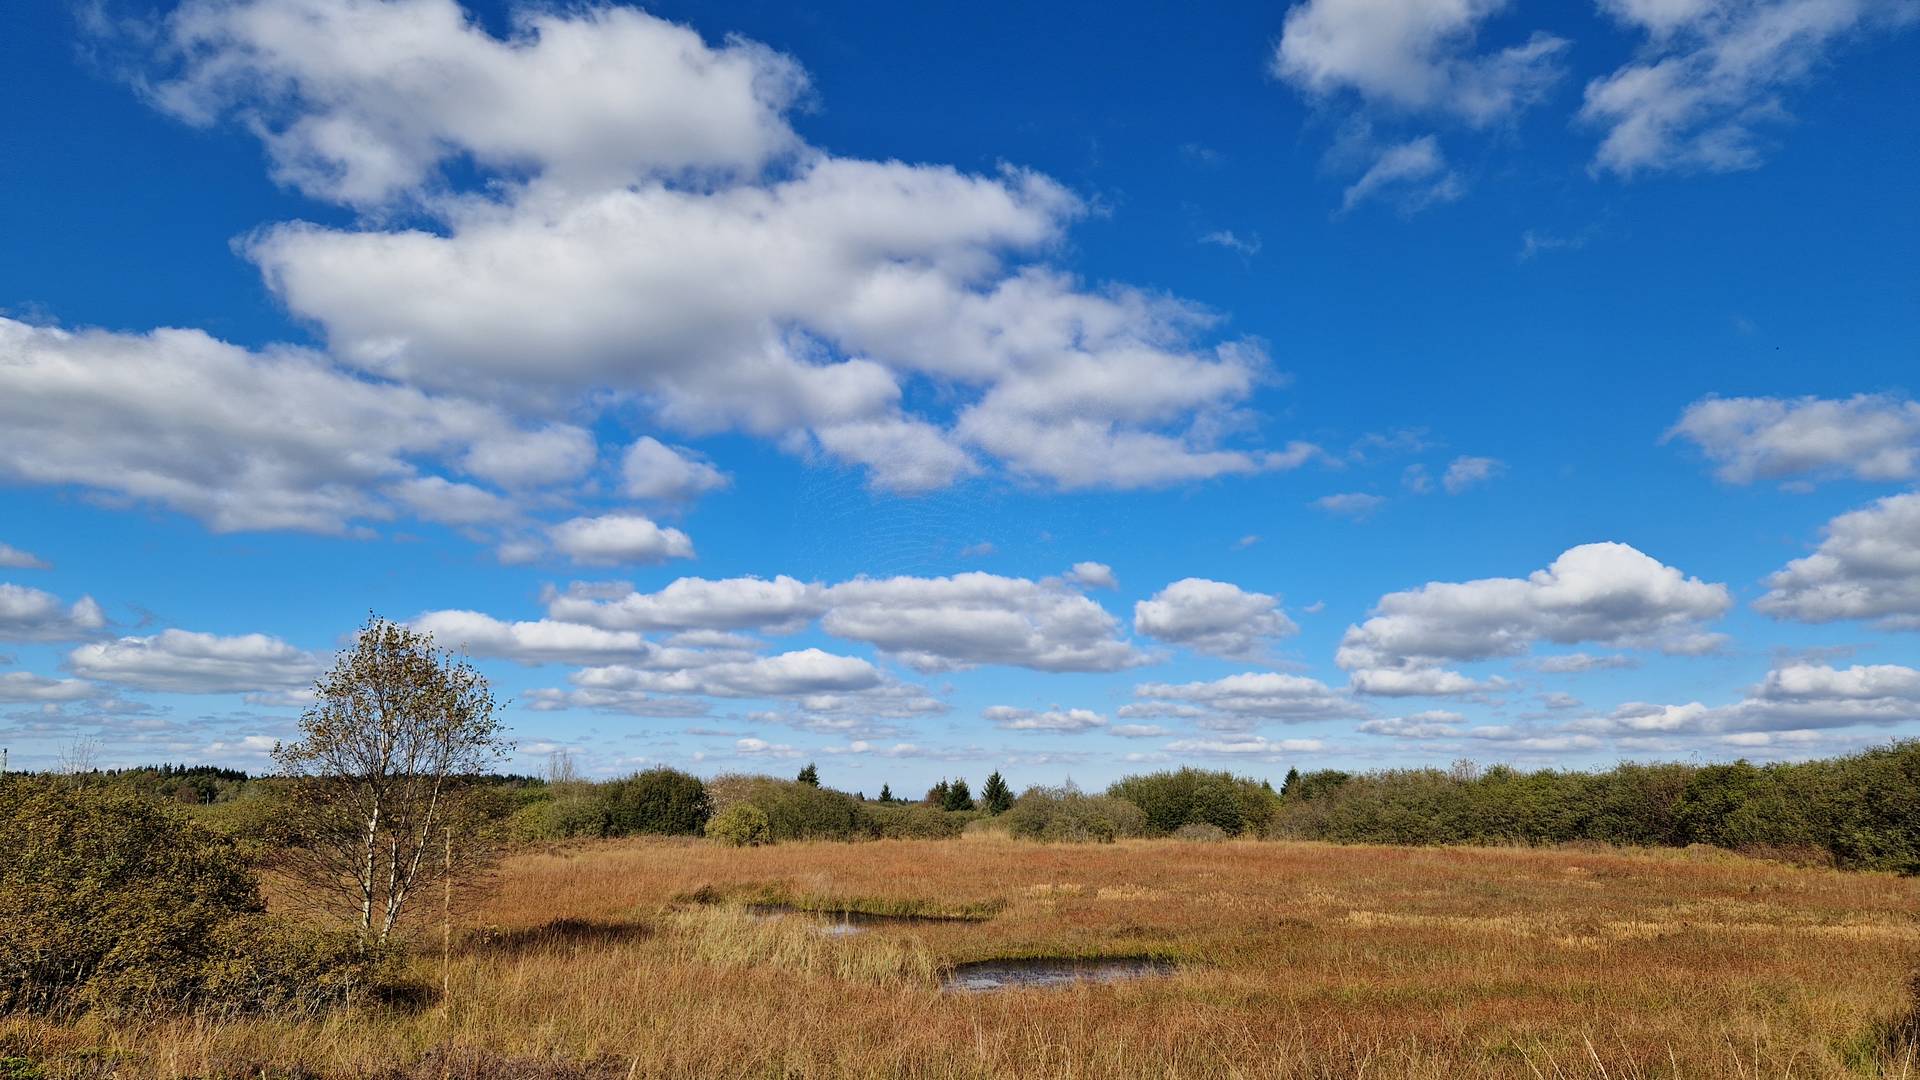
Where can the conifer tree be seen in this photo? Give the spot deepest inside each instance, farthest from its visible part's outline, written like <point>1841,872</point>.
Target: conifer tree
<point>958,797</point>
<point>995,796</point>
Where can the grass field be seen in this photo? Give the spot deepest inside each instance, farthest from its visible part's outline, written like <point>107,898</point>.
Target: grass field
<point>633,958</point>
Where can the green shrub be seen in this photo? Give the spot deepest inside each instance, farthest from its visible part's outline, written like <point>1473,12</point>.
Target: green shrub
<point>908,821</point>
<point>741,825</point>
<point>659,801</point>
<point>1064,815</point>
<point>1305,786</point>
<point>1867,807</point>
<point>562,817</point>
<point>1230,803</point>
<point>122,904</point>
<point>795,811</point>
<point>108,900</point>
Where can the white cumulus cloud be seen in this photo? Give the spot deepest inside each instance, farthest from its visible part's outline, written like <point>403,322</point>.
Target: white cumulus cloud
<point>645,220</point>
<point>615,539</point>
<point>184,662</point>
<point>1213,617</point>
<point>1714,74</point>
<point>1868,436</point>
<point>28,614</point>
<point>545,641</point>
<point>1606,593</point>
<point>949,623</point>
<point>1415,55</point>
<point>1251,695</point>
<point>1056,719</point>
<point>653,470</point>
<point>1867,567</point>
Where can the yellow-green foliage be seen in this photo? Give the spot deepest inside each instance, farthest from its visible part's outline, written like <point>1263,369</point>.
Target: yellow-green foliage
<point>121,904</point>
<point>109,900</point>
<point>912,821</point>
<point>740,825</point>
<point>794,811</point>
<point>281,966</point>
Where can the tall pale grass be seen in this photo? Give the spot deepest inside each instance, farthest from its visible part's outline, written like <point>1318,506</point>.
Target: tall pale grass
<point>733,938</point>
<point>1297,960</point>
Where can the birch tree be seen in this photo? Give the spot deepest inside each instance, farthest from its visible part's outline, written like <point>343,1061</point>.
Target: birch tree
<point>380,793</point>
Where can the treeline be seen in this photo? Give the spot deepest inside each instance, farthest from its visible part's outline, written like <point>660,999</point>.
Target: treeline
<point>1858,812</point>
<point>193,785</point>
<point>746,810</point>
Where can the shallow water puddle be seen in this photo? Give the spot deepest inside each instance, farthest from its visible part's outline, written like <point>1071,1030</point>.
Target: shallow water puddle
<point>1046,973</point>
<point>832,924</point>
<point>841,923</point>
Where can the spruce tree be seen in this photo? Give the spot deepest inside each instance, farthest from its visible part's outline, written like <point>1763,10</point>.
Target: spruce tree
<point>958,796</point>
<point>995,795</point>
<point>809,776</point>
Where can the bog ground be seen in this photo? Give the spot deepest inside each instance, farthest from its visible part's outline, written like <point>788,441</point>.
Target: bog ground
<point>636,958</point>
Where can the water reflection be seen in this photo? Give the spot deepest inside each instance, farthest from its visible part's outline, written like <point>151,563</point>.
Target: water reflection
<point>1039,973</point>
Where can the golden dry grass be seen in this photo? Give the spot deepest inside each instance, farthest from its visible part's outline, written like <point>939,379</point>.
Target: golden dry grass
<point>1302,960</point>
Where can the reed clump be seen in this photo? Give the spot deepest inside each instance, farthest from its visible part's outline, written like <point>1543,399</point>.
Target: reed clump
<point>732,938</point>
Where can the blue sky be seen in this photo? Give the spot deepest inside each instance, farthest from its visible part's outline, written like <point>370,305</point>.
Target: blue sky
<point>926,391</point>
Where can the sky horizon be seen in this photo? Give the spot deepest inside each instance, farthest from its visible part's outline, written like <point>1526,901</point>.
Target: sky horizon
<point>1339,384</point>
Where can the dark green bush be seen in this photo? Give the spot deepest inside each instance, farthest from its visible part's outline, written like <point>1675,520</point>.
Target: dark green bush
<point>1865,809</point>
<point>1314,784</point>
<point>797,811</point>
<point>659,801</point>
<point>1230,803</point>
